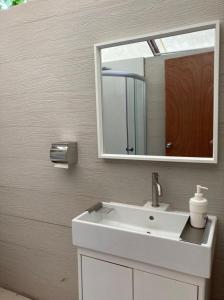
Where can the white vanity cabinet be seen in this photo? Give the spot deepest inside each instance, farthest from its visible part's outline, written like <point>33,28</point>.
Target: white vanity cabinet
<point>105,281</point>
<point>103,277</point>
<point>130,252</point>
<point>150,286</point>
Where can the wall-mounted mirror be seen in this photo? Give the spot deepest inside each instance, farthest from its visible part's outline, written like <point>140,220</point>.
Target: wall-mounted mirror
<point>157,96</point>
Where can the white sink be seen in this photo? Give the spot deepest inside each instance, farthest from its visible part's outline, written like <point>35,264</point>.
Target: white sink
<point>138,220</point>
<point>145,235</point>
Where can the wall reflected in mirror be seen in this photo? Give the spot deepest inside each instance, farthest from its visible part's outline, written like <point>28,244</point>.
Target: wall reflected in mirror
<point>157,96</point>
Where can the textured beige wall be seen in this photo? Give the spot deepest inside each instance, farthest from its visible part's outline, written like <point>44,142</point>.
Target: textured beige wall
<point>46,94</point>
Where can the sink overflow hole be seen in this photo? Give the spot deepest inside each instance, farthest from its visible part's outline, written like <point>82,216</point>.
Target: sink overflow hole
<point>151,218</point>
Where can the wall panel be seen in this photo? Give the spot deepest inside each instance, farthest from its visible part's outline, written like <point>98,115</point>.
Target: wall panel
<point>47,94</point>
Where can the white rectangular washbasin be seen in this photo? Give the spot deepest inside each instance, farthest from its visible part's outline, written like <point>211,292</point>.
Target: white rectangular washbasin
<point>144,235</point>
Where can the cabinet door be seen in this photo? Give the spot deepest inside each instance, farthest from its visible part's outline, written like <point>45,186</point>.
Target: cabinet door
<point>105,281</point>
<point>153,287</point>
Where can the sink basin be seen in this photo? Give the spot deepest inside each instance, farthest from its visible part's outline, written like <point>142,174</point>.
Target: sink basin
<point>144,235</point>
<point>138,220</point>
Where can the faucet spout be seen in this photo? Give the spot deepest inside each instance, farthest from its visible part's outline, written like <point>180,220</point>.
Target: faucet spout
<point>156,189</point>
<point>159,188</point>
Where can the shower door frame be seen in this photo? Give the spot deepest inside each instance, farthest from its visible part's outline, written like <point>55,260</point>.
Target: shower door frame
<point>134,77</point>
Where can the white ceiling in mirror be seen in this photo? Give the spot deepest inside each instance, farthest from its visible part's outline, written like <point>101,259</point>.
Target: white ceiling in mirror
<point>184,42</point>
<point>121,52</point>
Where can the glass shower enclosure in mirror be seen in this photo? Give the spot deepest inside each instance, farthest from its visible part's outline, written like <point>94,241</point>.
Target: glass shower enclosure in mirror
<point>157,96</point>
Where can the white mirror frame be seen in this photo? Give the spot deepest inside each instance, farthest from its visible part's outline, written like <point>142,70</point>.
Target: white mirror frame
<point>98,82</point>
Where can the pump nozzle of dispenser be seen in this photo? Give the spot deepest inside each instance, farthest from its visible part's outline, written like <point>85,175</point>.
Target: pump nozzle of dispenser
<point>199,188</point>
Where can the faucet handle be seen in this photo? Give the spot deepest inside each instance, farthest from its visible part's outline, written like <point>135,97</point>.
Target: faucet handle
<point>155,175</point>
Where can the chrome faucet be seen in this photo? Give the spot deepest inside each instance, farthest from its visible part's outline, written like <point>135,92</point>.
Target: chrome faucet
<point>156,189</point>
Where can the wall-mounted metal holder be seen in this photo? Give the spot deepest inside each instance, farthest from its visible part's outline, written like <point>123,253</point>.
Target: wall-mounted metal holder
<point>64,154</point>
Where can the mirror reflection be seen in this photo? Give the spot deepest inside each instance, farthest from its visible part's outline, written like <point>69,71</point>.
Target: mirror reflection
<point>157,96</point>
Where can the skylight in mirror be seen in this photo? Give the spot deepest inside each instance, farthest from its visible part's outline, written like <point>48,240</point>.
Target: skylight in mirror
<point>189,41</point>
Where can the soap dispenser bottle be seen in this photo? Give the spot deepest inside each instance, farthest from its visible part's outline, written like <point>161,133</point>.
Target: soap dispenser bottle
<point>198,208</point>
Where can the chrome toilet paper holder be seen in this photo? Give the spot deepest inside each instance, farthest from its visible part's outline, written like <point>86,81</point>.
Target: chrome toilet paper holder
<point>64,154</point>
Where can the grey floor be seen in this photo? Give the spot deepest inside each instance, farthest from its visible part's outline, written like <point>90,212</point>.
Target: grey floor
<point>7,295</point>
